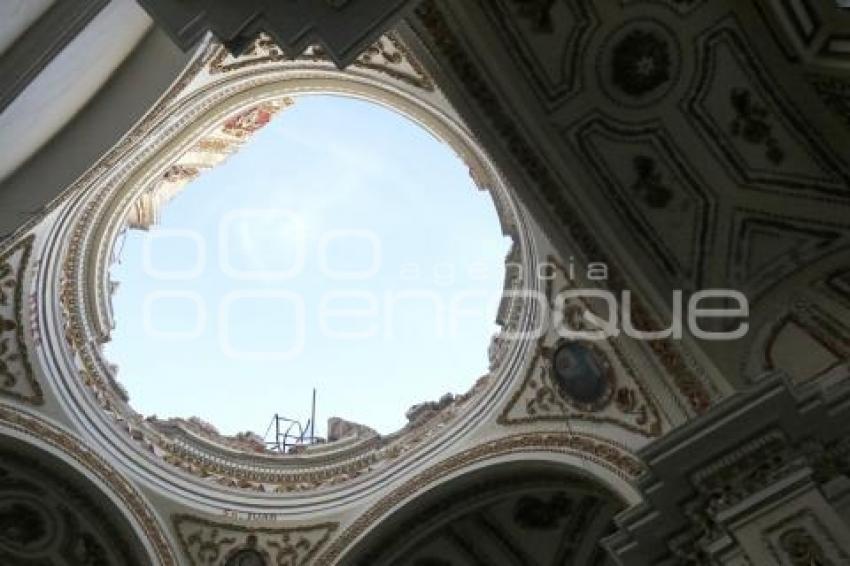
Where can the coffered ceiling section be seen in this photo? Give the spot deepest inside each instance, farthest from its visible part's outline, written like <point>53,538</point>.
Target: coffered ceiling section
<point>690,144</point>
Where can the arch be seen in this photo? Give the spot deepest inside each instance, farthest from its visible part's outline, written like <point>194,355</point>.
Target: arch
<point>594,459</point>
<point>494,510</point>
<point>58,497</point>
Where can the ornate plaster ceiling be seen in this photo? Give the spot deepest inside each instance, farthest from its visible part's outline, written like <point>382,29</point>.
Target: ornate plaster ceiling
<point>689,144</point>
<point>499,518</point>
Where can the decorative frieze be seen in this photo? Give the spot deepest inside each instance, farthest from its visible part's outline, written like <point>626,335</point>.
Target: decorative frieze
<point>206,542</point>
<point>17,380</point>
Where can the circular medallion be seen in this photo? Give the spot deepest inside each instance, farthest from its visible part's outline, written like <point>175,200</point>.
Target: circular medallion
<point>639,63</point>
<point>582,375</point>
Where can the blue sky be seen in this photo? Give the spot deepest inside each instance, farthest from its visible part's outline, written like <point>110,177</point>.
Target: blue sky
<point>342,248</point>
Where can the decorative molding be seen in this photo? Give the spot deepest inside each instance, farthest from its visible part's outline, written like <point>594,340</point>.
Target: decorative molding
<point>834,91</point>
<point>207,153</point>
<point>532,29</point>
<point>802,539</point>
<point>689,378</point>
<point>745,470</point>
<point>681,7</point>
<point>736,469</point>
<point>17,380</point>
<point>670,210</point>
<point>594,449</point>
<point>824,331</point>
<point>727,482</point>
<point>639,63</point>
<point>765,248</point>
<point>206,542</point>
<point>802,549</point>
<point>802,16</point>
<point>538,398</point>
<point>837,285</point>
<point>207,462</point>
<point>537,518</point>
<point>40,430</point>
<point>387,55</point>
<point>809,31</point>
<point>758,135</point>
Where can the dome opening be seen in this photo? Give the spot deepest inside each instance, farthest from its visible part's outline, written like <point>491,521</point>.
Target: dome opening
<point>342,248</point>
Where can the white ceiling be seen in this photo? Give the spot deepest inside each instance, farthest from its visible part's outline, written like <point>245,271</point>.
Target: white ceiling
<point>69,81</point>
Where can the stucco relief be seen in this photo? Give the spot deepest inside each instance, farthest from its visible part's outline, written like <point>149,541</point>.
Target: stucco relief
<point>550,38</point>
<point>17,380</point>
<point>224,98</point>
<point>802,539</point>
<point>656,190</point>
<point>690,379</point>
<point>725,127</point>
<point>387,55</point>
<point>746,119</point>
<point>623,399</point>
<point>639,63</point>
<point>209,542</point>
<point>654,185</point>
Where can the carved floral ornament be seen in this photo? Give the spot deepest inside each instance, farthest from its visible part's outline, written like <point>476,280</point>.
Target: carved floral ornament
<point>226,96</point>
<point>582,382</point>
<point>208,542</point>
